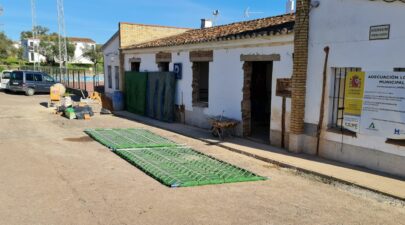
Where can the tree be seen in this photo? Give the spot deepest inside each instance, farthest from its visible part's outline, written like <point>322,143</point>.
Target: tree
<point>49,47</point>
<point>95,55</point>
<point>49,44</point>
<point>6,47</point>
<point>40,30</point>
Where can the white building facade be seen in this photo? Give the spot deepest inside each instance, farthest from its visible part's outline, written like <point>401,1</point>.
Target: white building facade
<point>128,34</point>
<point>111,64</point>
<point>234,68</point>
<point>345,27</point>
<point>30,53</point>
<point>361,35</point>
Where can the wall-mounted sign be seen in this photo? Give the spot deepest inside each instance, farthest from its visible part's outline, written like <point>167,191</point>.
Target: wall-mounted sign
<point>178,70</point>
<point>374,104</point>
<point>283,88</point>
<point>380,32</point>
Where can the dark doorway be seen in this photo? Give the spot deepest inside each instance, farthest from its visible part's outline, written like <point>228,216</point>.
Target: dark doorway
<point>135,66</point>
<point>261,100</point>
<point>163,66</point>
<point>201,82</point>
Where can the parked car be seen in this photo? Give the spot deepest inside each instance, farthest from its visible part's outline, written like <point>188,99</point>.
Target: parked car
<point>4,79</point>
<point>30,82</point>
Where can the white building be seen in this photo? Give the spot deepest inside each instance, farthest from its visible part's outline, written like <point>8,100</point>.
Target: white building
<point>236,69</point>
<point>231,70</point>
<point>111,64</point>
<point>32,55</point>
<point>81,44</point>
<point>129,34</point>
<point>346,27</point>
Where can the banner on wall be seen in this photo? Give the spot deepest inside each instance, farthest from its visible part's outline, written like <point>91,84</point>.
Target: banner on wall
<point>375,104</point>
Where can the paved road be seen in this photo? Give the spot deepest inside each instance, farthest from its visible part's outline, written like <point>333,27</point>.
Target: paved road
<point>51,173</point>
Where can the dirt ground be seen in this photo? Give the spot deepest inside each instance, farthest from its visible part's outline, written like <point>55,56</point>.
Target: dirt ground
<point>51,173</point>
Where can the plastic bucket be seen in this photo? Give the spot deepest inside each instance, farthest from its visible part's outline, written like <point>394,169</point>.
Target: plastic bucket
<point>118,101</point>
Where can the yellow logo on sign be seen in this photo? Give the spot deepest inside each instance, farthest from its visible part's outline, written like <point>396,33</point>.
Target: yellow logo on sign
<point>354,92</point>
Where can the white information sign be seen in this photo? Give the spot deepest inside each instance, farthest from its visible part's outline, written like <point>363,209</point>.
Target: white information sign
<point>383,111</point>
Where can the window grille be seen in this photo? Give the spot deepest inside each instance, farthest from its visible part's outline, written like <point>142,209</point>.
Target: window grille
<point>109,74</point>
<point>338,94</point>
<point>117,78</point>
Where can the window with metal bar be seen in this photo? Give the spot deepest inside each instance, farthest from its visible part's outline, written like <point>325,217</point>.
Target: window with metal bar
<point>117,77</point>
<point>337,97</point>
<point>109,76</point>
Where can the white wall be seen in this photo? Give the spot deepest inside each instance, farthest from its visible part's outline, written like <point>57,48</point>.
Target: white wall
<point>344,25</point>
<point>28,50</point>
<point>226,74</point>
<point>111,58</point>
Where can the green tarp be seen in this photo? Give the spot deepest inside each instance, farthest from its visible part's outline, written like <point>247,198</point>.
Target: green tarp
<point>161,89</point>
<point>135,92</point>
<point>151,94</point>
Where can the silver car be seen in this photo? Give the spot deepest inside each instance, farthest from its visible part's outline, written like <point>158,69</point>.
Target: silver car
<point>4,79</point>
<point>30,82</point>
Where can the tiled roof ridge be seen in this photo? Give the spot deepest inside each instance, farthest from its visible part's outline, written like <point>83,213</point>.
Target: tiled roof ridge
<point>155,25</point>
<point>250,21</point>
<point>175,40</point>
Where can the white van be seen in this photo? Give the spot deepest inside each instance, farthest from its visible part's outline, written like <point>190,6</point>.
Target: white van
<point>4,79</point>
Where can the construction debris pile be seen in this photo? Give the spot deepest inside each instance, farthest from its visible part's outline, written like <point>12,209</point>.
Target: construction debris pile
<point>83,109</point>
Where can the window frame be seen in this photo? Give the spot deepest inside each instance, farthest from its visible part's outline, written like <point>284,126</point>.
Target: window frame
<point>136,68</point>
<point>109,76</point>
<point>337,97</point>
<point>17,73</point>
<point>27,76</point>
<point>164,66</point>
<point>197,90</point>
<point>36,75</point>
<point>117,77</point>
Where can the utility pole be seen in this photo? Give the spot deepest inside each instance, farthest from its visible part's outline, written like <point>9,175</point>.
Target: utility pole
<point>1,12</point>
<point>35,36</point>
<point>63,57</point>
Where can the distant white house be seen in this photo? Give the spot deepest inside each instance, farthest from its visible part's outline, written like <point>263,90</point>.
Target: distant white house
<point>29,53</point>
<point>17,45</point>
<point>80,45</point>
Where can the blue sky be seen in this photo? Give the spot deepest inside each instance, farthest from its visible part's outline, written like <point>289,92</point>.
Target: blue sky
<point>98,19</point>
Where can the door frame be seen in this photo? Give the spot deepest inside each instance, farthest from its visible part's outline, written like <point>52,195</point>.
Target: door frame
<point>246,104</point>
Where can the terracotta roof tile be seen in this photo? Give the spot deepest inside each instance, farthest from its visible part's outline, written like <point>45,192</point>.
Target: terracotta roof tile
<point>246,29</point>
<point>78,39</point>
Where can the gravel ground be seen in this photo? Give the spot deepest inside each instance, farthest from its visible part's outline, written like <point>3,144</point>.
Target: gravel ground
<point>52,173</point>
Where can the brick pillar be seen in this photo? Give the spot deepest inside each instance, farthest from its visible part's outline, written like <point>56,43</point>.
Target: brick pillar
<point>246,103</point>
<point>195,83</point>
<point>299,78</point>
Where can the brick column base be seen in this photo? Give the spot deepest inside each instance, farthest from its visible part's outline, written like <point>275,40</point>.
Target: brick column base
<point>246,102</point>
